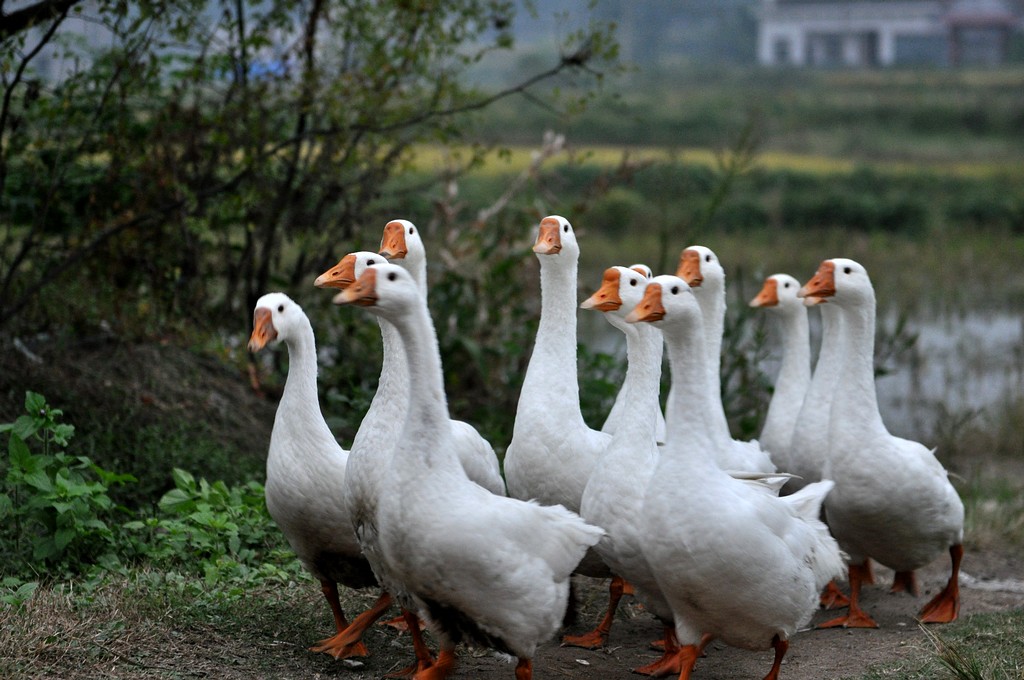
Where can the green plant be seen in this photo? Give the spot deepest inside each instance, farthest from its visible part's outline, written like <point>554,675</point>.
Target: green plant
<point>220,532</point>
<point>54,508</point>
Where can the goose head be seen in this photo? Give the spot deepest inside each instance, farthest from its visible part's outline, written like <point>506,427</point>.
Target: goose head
<point>555,236</point>
<point>700,269</point>
<point>778,292</point>
<point>387,290</point>
<point>621,290</point>
<point>841,281</point>
<point>275,318</point>
<point>401,242</point>
<point>348,269</point>
<point>669,303</point>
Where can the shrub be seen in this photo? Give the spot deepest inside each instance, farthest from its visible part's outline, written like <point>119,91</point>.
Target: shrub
<point>54,508</point>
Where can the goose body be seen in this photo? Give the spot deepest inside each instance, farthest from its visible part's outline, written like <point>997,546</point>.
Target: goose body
<point>700,269</point>
<point>306,469</point>
<point>486,568</point>
<point>893,501</point>
<point>734,562</point>
<point>553,451</point>
<point>614,495</point>
<point>778,296</point>
<point>403,245</point>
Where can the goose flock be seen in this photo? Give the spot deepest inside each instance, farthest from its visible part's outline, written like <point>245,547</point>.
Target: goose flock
<point>739,541</point>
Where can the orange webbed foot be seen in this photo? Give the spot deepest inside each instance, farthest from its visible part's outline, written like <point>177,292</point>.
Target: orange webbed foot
<point>342,646</point>
<point>595,639</point>
<point>833,598</point>
<point>856,618</point>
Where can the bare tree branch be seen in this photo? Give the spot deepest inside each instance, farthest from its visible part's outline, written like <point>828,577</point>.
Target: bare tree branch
<point>25,18</point>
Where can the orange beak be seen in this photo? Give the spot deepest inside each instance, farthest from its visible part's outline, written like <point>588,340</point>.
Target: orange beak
<point>392,244</point>
<point>362,293</point>
<point>549,238</point>
<point>650,307</point>
<point>769,295</point>
<point>341,275</point>
<point>263,330</point>
<point>689,268</point>
<point>606,299</point>
<point>822,285</point>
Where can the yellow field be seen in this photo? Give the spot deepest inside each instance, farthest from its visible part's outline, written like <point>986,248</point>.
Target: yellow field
<point>434,158</point>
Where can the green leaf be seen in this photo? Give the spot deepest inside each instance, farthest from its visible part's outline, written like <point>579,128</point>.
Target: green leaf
<point>34,402</point>
<point>26,426</point>
<point>20,456</point>
<point>62,537</point>
<point>6,506</point>
<point>183,479</point>
<point>176,501</point>
<point>39,480</point>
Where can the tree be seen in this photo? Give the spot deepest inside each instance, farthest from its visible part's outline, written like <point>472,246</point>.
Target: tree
<point>217,149</point>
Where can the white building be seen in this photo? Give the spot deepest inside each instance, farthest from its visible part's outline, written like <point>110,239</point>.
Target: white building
<point>862,33</point>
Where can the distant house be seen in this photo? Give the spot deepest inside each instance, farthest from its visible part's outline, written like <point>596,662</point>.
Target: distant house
<point>867,33</point>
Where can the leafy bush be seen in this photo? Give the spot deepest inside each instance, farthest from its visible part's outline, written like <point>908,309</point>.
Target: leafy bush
<point>210,529</point>
<point>55,511</point>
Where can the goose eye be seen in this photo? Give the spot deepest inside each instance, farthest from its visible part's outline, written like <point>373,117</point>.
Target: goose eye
<point>632,282</point>
<point>847,270</point>
<point>371,261</point>
<point>566,229</point>
<point>280,308</point>
<point>412,230</point>
<point>675,290</point>
<point>785,285</point>
<point>392,276</point>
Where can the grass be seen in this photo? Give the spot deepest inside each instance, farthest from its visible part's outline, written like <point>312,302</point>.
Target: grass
<point>979,647</point>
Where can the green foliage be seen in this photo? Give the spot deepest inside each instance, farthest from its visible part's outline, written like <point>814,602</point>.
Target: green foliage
<point>186,181</point>
<point>54,508</point>
<point>221,533</point>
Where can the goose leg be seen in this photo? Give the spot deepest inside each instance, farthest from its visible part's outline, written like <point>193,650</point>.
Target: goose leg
<point>833,598</point>
<point>781,646</point>
<point>945,606</point>
<point>348,642</point>
<point>855,617</point>
<point>524,669</point>
<point>599,636</point>
<point>330,590</point>
<point>904,582</point>
<point>424,659</point>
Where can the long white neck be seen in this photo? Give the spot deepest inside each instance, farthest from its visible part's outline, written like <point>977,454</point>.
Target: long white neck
<point>795,371</point>
<point>711,298</point>
<point>644,348</point>
<point>380,425</point>
<point>551,375</point>
<point>299,410</point>
<point>427,422</point>
<point>687,426</point>
<point>417,266</point>
<point>857,401</point>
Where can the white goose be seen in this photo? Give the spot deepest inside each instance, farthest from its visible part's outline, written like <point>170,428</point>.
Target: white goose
<point>778,296</point>
<point>401,244</point>
<point>734,562</point>
<point>614,417</point>
<point>699,267</point>
<point>613,498</point>
<point>893,501</point>
<point>306,474</point>
<point>553,450</point>
<point>487,568</point>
